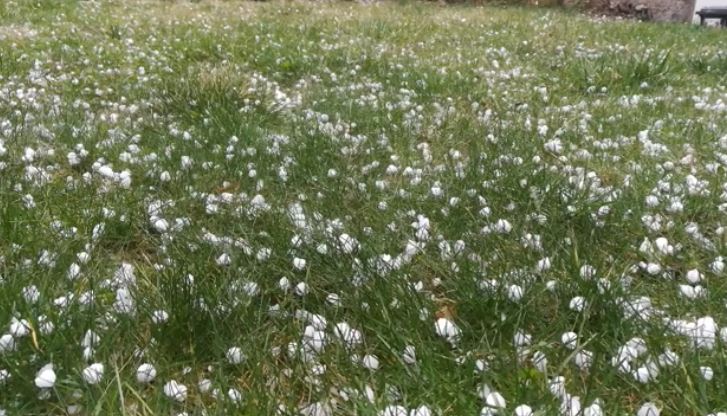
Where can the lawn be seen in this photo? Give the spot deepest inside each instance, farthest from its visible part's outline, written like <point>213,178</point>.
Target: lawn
<point>396,209</point>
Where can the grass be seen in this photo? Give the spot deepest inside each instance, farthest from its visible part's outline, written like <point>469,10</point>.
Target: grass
<point>166,166</point>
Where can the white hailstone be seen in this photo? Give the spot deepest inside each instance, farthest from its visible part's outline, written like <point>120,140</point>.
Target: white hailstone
<point>483,390</point>
<point>159,316</point>
<point>350,336</point>
<point>553,146</point>
<point>93,373</point>
<point>481,366</point>
<point>705,333</point>
<point>495,400</point>
<point>124,179</point>
<point>160,224</point>
<point>250,288</point>
<point>284,284</point>
<point>146,373</point>
<point>707,372</point>
<point>317,321</point>
<point>165,176</point>
<point>301,289</point>
<point>676,206</point>
<point>578,303</point>
<point>73,271</point>
<point>83,257</point>
<point>73,159</point>
<point>557,387</point>
<point>124,302</point>
<point>235,355</point>
<point>204,385</point>
<point>19,328</point>
<point>31,294</point>
<point>668,358</point>
<point>652,201</point>
<point>322,249</point>
<point>347,243</point>
<point>691,292</point>
<point>593,410</point>
<point>186,162</point>
<point>523,410</point>
<point>175,391</point>
<point>587,272</point>
<point>333,299</point>
<point>569,340</point>
<point>543,264</point>
<point>235,395</point>
<point>447,329</point>
<point>571,406</point>
<point>488,411</point>
<point>263,254</point>
<point>4,377</point>
<point>637,345</point>
<point>420,411</point>
<point>409,355</point>
<point>317,409</point>
<point>28,201</point>
<point>370,362</point>
<point>551,285</point>
<point>88,353</point>
<point>436,191</point>
<point>653,269</point>
<point>223,260</point>
<point>717,266</point>
<point>540,361</point>
<point>502,226</point>
<point>106,171</point>
<point>648,409</point>
<point>394,410</point>
<point>298,263</point>
<point>90,339</point>
<point>521,338</point>
<point>313,338</point>
<point>46,377</point>
<point>643,375</point>
<point>583,359</point>
<point>515,293</point>
<point>662,244</point>
<point>694,276</point>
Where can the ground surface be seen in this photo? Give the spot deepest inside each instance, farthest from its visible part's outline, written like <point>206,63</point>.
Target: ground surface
<point>335,208</point>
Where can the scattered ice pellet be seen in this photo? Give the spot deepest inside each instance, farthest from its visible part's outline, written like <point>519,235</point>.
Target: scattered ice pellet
<point>46,377</point>
<point>447,329</point>
<point>175,391</point>
<point>93,373</point>
<point>146,373</point>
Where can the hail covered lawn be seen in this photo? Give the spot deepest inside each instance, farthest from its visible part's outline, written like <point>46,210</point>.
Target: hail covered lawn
<point>318,209</point>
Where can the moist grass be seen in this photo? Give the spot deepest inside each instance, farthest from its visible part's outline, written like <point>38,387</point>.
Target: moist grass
<point>181,178</point>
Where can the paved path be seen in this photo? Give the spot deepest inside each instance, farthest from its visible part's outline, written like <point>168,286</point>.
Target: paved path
<point>708,3</point>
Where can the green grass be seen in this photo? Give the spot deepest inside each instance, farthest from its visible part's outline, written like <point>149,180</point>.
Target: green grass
<point>234,118</point>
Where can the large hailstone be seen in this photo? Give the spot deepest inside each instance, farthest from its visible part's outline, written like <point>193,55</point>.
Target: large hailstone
<point>175,391</point>
<point>145,373</point>
<point>447,329</point>
<point>46,377</point>
<point>93,373</point>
